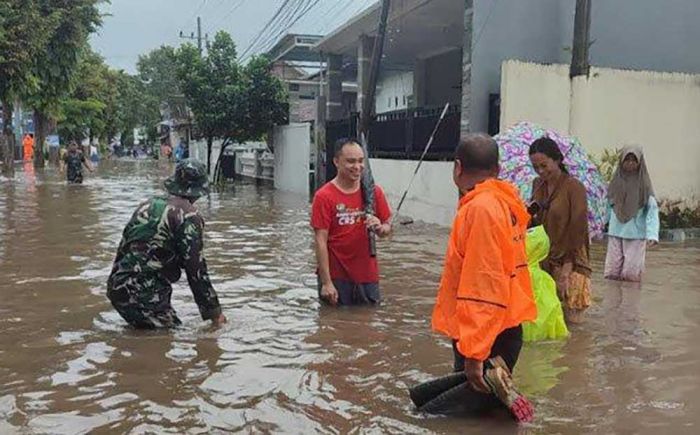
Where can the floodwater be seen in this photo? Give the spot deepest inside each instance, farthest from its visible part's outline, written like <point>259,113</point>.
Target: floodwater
<point>283,363</point>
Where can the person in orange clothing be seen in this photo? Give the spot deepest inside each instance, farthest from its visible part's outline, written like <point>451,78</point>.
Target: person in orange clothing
<point>28,145</point>
<point>485,291</point>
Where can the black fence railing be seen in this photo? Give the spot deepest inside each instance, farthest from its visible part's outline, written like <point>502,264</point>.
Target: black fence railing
<point>400,135</point>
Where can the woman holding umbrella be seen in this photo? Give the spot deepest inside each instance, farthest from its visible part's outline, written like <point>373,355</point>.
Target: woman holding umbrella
<point>559,204</point>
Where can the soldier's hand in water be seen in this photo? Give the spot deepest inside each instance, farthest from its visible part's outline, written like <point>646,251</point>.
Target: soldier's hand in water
<point>329,293</point>
<point>474,369</point>
<point>219,320</point>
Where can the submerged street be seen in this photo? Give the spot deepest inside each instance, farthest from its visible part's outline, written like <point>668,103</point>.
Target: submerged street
<point>283,363</point>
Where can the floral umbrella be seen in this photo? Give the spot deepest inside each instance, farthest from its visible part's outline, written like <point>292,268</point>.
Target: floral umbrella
<point>514,144</point>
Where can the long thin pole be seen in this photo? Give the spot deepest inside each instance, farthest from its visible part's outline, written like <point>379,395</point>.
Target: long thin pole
<point>582,27</point>
<point>425,151</point>
<point>377,51</point>
<point>199,34</point>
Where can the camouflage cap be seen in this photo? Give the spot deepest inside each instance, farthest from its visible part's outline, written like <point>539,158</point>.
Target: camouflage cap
<point>189,181</point>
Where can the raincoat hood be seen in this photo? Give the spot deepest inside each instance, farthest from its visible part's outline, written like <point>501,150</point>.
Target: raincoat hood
<point>505,192</point>
<point>536,245</point>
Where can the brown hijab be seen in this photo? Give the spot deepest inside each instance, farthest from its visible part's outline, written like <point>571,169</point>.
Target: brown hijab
<point>629,192</point>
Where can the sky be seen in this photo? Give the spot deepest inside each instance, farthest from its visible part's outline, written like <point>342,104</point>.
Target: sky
<point>134,27</point>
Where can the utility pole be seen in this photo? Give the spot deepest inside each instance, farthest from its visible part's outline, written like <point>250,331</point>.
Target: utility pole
<point>582,26</point>
<point>368,102</point>
<point>198,38</point>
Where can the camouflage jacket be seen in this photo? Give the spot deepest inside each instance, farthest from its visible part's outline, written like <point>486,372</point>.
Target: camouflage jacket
<point>74,165</point>
<point>164,236</point>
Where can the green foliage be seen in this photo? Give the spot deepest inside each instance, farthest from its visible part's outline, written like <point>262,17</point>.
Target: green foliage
<point>23,34</point>
<point>81,113</point>
<point>158,86</point>
<point>103,103</point>
<point>156,70</point>
<point>676,214</point>
<point>56,64</point>
<point>229,100</point>
<point>607,163</point>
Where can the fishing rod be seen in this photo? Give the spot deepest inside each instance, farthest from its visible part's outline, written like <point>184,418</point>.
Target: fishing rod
<point>367,187</point>
<point>425,151</point>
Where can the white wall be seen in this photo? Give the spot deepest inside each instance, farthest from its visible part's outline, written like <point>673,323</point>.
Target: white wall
<point>536,93</point>
<point>611,108</point>
<point>433,195</point>
<point>292,144</point>
<point>393,91</point>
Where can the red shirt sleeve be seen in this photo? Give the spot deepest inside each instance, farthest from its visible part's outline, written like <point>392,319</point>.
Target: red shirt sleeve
<point>321,213</point>
<point>382,210</point>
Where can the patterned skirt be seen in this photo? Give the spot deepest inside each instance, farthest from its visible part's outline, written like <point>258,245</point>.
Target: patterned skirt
<point>573,288</point>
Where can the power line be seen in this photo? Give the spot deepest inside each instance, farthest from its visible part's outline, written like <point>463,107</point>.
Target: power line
<point>265,27</point>
<point>226,15</point>
<point>281,23</point>
<point>294,21</point>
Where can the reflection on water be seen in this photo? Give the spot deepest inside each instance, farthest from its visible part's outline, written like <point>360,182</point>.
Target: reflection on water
<point>69,364</point>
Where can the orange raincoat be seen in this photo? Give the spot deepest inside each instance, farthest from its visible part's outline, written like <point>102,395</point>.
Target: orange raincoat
<point>485,286</point>
<point>28,145</point>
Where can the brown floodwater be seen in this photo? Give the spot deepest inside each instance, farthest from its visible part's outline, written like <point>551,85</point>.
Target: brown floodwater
<point>284,364</point>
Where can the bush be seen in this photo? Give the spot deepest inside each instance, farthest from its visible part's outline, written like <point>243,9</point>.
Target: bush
<point>675,214</point>
<point>607,162</point>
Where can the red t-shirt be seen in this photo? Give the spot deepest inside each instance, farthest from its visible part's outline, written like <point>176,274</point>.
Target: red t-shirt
<point>342,214</point>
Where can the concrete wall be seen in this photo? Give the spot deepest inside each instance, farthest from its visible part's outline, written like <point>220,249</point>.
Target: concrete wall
<point>659,111</point>
<point>433,195</point>
<point>627,34</point>
<point>394,91</point>
<point>640,34</point>
<point>292,157</point>
<point>443,79</point>
<point>536,93</point>
<point>523,29</point>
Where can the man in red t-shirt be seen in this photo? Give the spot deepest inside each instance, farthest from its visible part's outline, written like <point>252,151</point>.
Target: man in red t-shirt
<point>347,274</point>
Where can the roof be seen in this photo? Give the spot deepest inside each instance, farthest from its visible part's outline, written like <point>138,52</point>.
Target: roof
<point>415,29</point>
<point>295,47</point>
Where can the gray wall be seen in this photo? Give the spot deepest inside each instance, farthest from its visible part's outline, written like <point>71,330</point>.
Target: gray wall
<point>443,79</point>
<point>642,34</point>
<point>629,34</point>
<point>510,29</point>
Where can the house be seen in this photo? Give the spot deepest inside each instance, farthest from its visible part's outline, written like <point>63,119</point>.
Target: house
<point>427,63</point>
<point>176,125</point>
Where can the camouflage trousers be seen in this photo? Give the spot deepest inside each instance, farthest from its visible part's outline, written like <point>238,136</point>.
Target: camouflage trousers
<point>144,302</point>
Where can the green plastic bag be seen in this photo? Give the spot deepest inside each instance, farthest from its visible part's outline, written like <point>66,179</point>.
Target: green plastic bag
<point>549,324</point>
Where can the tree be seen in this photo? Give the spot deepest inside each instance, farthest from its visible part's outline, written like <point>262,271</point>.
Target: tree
<point>102,104</point>
<point>56,64</point>
<point>82,114</point>
<point>23,33</point>
<point>159,85</point>
<point>229,101</point>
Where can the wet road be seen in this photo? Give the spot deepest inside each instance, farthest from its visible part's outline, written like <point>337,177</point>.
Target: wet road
<point>283,364</point>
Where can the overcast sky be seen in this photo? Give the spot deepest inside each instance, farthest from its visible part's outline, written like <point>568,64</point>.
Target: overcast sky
<point>134,27</point>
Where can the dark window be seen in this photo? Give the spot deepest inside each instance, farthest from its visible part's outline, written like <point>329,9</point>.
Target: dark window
<point>294,87</point>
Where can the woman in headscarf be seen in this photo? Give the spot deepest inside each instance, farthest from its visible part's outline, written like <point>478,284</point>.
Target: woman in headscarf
<point>634,217</point>
<point>559,203</point>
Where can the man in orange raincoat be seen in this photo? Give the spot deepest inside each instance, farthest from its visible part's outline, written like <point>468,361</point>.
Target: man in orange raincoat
<point>485,291</point>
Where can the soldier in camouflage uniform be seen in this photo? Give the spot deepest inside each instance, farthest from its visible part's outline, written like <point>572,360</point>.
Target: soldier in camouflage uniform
<point>164,236</point>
